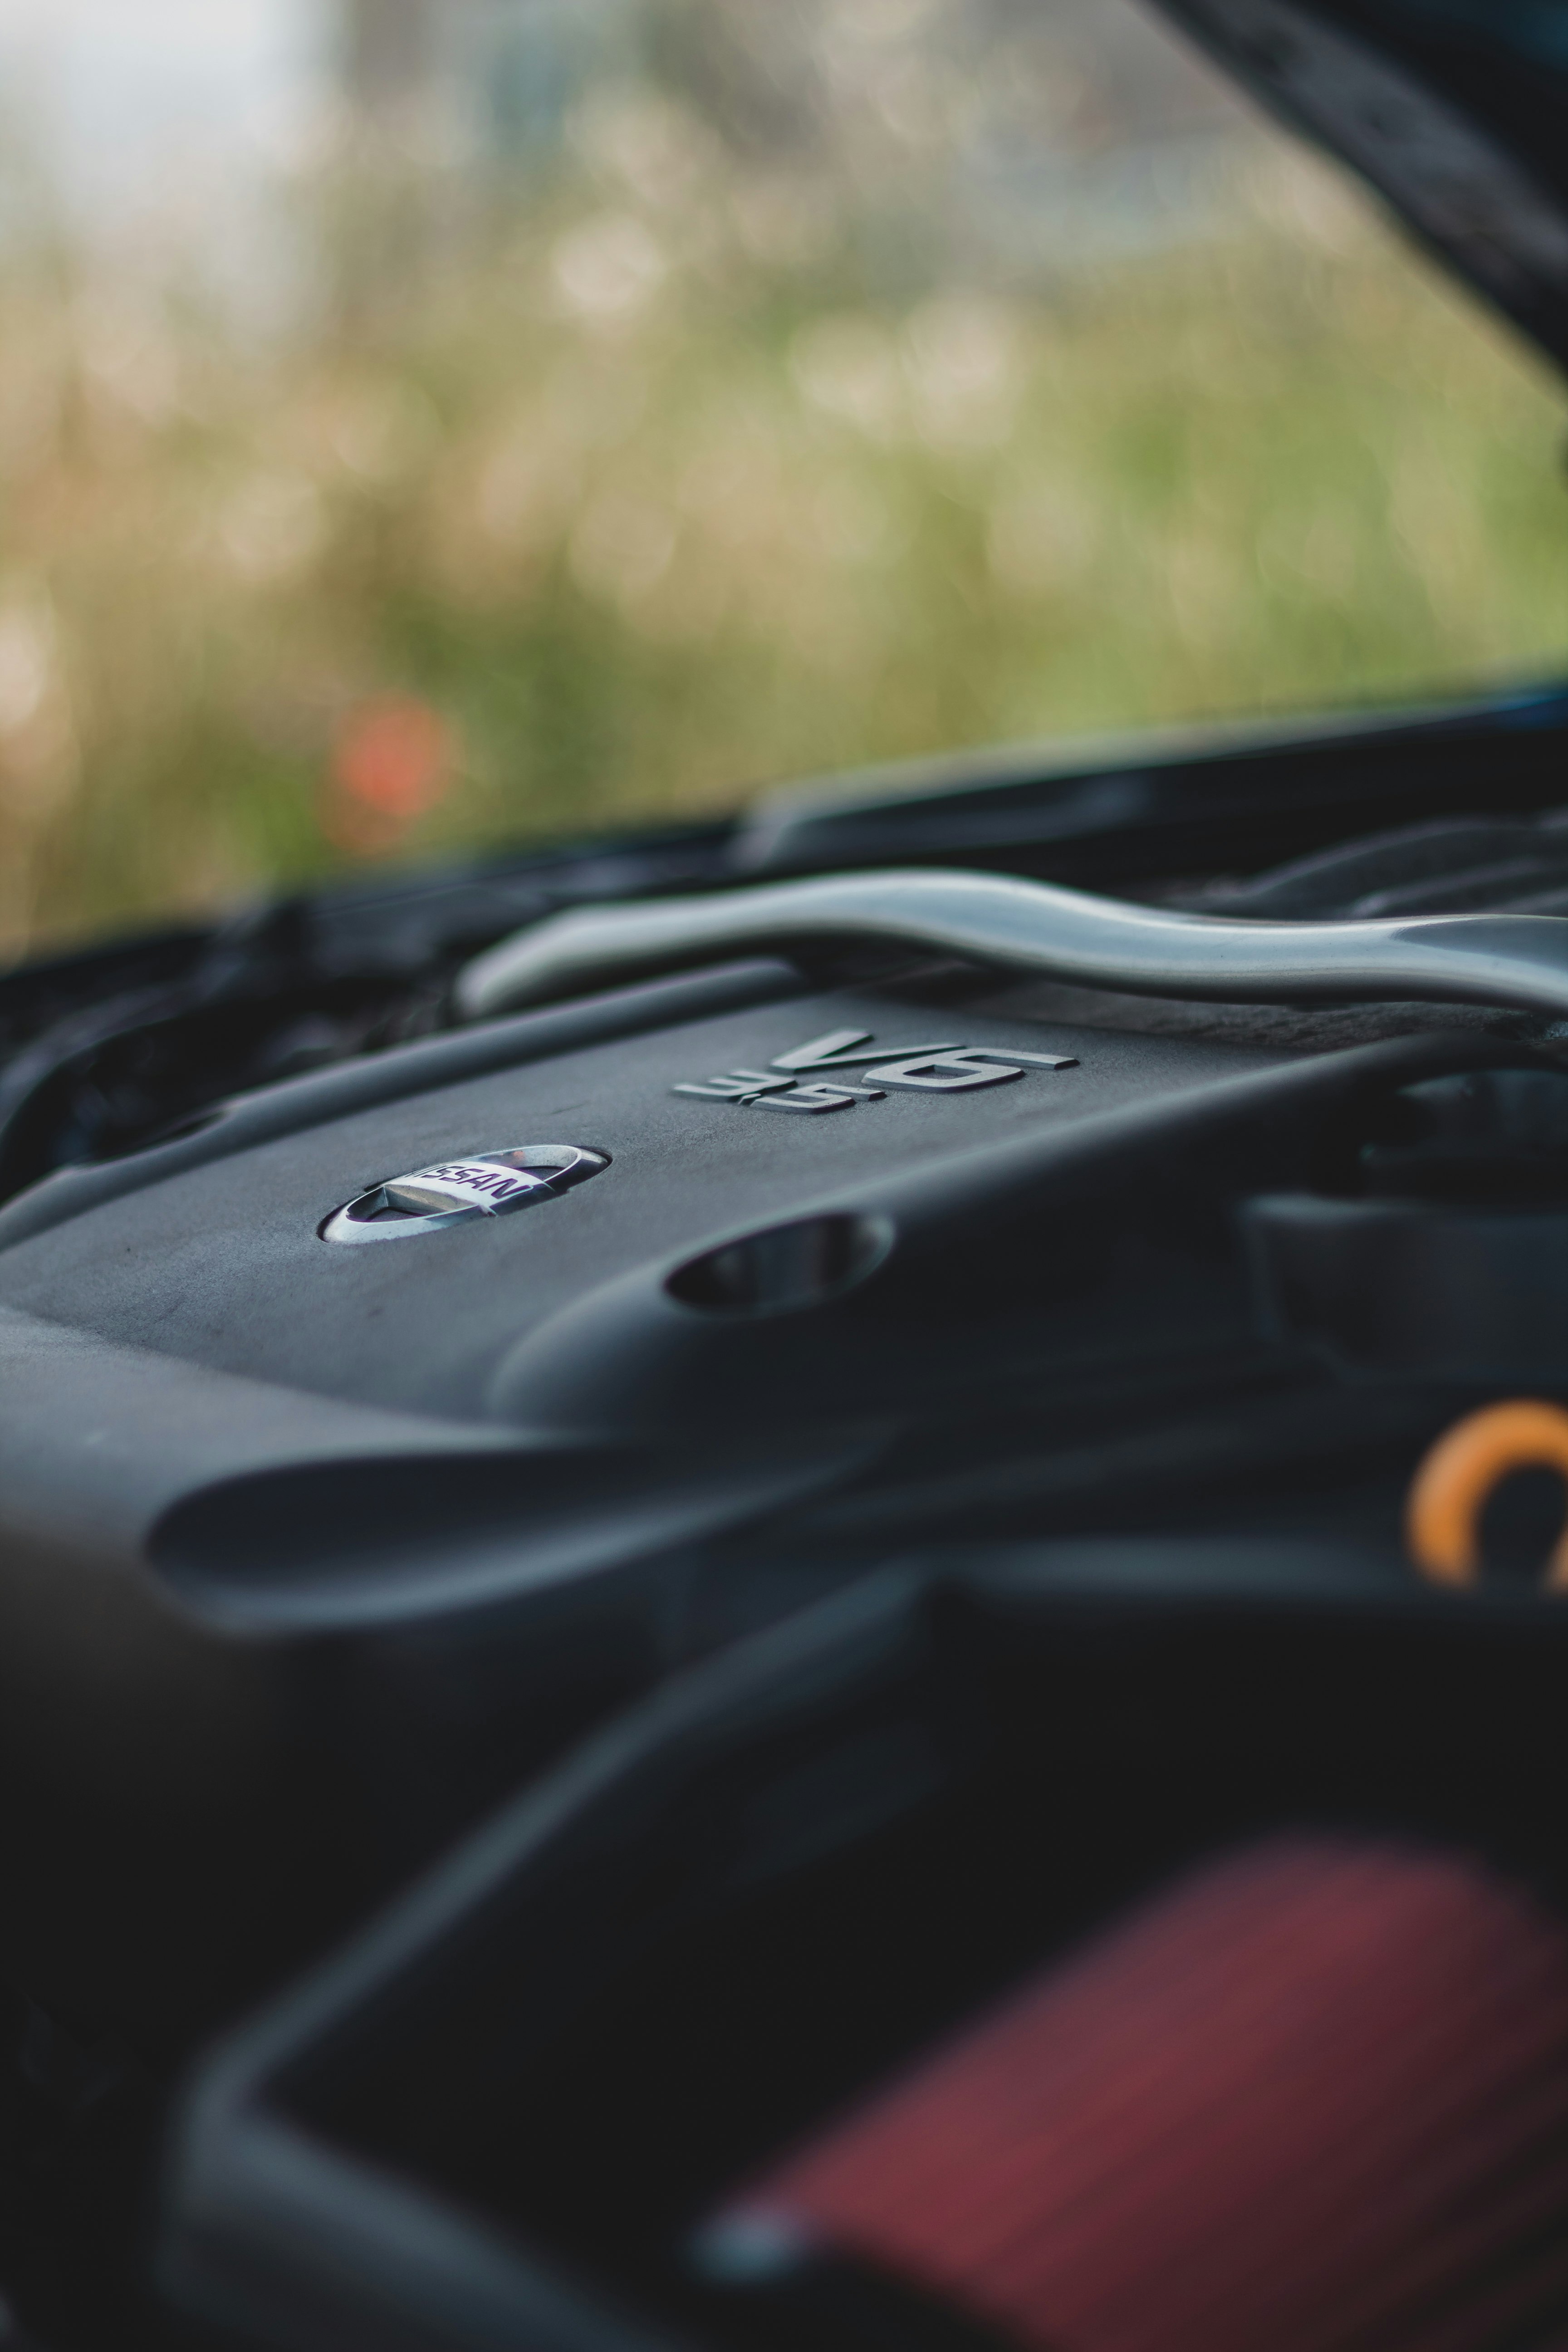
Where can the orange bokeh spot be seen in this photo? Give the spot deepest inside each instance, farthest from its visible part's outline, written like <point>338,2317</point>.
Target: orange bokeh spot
<point>394,755</point>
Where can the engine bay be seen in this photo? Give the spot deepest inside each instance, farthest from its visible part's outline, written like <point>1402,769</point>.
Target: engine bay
<point>854,1288</point>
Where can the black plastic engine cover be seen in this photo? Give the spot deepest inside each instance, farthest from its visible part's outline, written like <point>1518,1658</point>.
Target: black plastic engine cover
<point>309,1552</point>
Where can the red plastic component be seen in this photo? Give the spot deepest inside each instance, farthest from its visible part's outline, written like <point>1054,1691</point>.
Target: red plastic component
<point>1314,2100</point>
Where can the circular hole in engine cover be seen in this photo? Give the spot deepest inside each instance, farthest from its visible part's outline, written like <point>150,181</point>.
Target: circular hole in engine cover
<point>784,1266</point>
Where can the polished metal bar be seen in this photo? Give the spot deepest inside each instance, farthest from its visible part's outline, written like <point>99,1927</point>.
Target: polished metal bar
<point>995,918</point>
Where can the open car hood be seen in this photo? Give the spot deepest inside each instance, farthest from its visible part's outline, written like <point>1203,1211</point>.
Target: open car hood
<point>1454,110</point>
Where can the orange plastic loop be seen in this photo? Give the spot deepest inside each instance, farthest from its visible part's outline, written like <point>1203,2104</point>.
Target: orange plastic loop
<point>1449,1491</point>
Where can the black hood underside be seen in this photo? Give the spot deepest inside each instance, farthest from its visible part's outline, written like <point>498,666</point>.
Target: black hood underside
<point>1453,110</point>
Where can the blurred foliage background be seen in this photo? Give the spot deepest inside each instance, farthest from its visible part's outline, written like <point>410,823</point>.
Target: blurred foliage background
<point>601,409</point>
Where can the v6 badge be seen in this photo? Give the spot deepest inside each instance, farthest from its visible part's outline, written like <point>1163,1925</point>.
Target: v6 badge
<point>790,1082</point>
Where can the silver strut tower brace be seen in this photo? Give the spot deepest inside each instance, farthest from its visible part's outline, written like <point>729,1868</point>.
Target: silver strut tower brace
<point>1036,927</point>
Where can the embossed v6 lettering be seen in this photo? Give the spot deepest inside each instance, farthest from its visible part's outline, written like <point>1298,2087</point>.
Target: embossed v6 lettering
<point>788,1083</point>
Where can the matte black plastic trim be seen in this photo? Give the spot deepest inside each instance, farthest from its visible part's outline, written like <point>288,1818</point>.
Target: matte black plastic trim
<point>445,1061</point>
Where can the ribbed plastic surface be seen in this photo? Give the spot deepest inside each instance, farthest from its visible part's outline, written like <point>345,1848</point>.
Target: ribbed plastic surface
<point>1314,2100</point>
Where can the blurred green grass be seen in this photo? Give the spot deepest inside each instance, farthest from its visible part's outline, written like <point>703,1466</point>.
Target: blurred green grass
<point>632,497</point>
